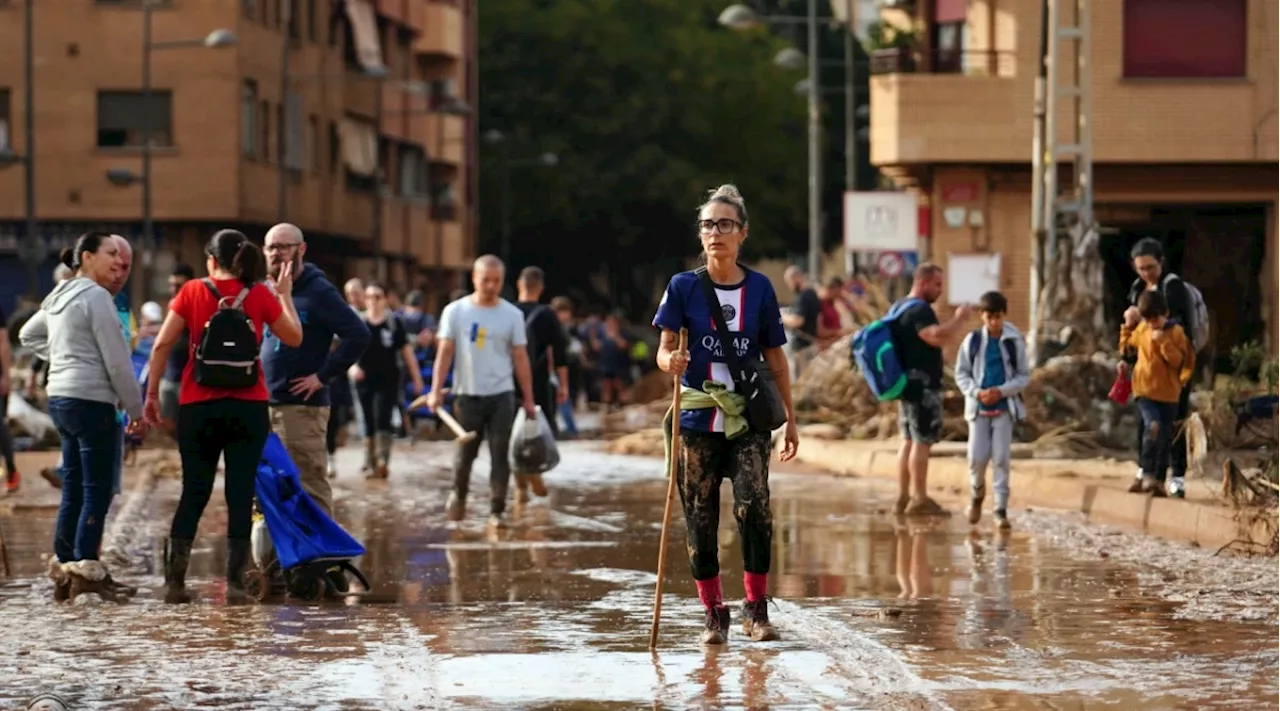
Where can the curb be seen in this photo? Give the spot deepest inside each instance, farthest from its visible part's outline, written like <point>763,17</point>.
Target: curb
<point>1056,484</point>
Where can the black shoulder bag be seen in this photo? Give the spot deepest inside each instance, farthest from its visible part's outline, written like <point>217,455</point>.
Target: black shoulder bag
<point>765,409</point>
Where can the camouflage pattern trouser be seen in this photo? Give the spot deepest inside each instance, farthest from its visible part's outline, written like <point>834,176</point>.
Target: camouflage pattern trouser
<point>707,458</point>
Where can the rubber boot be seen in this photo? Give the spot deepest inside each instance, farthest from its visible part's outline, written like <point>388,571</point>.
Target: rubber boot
<point>370,458</point>
<point>384,454</point>
<point>237,560</point>
<point>177,556</point>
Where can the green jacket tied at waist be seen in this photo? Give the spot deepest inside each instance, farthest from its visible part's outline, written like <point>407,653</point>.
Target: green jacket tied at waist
<point>712,394</point>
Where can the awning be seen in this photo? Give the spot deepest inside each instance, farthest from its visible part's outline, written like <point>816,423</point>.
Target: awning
<point>364,28</point>
<point>359,147</point>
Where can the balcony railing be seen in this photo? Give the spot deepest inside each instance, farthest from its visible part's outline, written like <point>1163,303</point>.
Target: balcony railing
<point>970,62</point>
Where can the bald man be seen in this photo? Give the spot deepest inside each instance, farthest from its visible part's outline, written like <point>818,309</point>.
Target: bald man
<point>354,291</point>
<point>487,333</point>
<point>298,378</point>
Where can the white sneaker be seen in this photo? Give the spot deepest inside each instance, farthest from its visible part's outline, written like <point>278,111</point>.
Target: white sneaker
<point>1177,487</point>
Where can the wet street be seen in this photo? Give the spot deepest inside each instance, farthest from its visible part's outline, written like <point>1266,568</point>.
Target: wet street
<point>554,612</point>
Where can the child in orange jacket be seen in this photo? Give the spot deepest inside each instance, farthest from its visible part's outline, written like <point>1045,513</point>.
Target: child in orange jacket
<point>1166,361</point>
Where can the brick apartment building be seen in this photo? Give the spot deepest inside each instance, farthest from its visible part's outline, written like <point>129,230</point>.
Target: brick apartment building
<point>222,136</point>
<point>1184,132</point>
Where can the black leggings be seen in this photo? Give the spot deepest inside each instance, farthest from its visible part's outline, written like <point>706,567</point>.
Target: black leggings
<point>707,458</point>
<point>378,399</point>
<point>206,431</point>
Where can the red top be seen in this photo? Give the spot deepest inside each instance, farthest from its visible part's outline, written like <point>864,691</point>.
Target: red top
<point>830,316</point>
<point>196,306</point>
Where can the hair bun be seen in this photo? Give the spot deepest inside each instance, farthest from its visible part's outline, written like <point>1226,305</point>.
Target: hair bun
<point>728,191</point>
<point>67,257</point>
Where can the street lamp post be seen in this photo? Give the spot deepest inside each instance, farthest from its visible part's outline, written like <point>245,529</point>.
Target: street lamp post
<point>547,159</point>
<point>740,17</point>
<point>31,249</point>
<point>216,39</point>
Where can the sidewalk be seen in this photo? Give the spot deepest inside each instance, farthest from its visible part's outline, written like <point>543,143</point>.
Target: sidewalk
<point>1095,487</point>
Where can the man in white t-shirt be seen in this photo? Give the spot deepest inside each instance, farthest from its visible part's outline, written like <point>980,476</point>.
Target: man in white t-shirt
<point>486,335</point>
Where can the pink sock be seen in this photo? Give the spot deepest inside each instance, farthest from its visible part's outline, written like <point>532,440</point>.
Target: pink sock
<point>710,593</point>
<point>757,585</point>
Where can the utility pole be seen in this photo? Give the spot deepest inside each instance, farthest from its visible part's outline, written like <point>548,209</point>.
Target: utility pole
<point>33,241</point>
<point>1038,230</point>
<point>850,124</point>
<point>815,148</point>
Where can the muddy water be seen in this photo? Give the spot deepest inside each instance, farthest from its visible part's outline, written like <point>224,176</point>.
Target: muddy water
<point>554,614</point>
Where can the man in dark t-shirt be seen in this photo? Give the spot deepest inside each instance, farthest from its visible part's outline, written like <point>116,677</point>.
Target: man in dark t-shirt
<point>548,348</point>
<point>919,339</point>
<point>181,353</point>
<point>802,320</point>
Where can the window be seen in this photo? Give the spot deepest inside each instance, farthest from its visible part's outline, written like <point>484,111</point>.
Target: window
<point>6,142</point>
<point>123,117</point>
<point>335,22</point>
<point>1185,39</point>
<point>264,117</point>
<point>295,18</point>
<point>413,172</point>
<point>249,118</point>
<point>250,8</point>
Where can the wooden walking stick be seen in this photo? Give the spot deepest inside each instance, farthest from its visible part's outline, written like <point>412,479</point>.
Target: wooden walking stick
<point>671,496</point>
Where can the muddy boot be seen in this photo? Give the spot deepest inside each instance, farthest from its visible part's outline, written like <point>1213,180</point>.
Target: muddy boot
<point>370,458</point>
<point>61,581</point>
<point>89,576</point>
<point>1153,486</point>
<point>456,508</point>
<point>974,512</point>
<point>755,621</point>
<point>52,476</point>
<point>384,454</point>
<point>716,631</point>
<point>1002,520</point>
<point>1136,486</point>
<point>118,588</point>
<point>925,506</point>
<point>522,490</point>
<point>177,556</point>
<point>237,560</point>
<point>536,485</point>
<point>900,506</point>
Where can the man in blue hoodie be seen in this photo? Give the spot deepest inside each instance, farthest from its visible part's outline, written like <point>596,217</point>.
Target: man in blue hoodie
<point>297,378</point>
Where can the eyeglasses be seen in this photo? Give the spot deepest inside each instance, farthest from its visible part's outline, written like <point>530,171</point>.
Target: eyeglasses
<point>724,226</point>
<point>280,246</point>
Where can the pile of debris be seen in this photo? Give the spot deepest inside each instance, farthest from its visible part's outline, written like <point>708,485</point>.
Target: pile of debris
<point>1066,401</point>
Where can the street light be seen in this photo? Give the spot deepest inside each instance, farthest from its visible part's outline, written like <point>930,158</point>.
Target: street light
<point>740,17</point>
<point>217,39</point>
<point>790,58</point>
<point>547,160</point>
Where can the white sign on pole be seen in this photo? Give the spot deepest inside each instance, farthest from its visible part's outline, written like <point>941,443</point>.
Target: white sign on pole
<point>876,221</point>
<point>969,276</point>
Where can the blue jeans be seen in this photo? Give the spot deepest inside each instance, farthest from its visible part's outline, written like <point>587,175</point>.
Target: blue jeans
<point>1158,421</point>
<point>90,439</point>
<point>566,414</point>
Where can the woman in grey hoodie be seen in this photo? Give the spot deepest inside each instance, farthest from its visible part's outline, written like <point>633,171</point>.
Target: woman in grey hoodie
<point>77,331</point>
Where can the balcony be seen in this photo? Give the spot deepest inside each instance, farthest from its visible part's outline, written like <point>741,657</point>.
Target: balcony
<point>948,106</point>
<point>442,30</point>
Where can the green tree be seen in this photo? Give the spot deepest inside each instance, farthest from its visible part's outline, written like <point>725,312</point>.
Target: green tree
<point>649,105</point>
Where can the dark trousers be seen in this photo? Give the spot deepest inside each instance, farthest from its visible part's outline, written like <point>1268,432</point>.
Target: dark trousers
<point>1177,455</point>
<point>90,439</point>
<point>1158,423</point>
<point>339,416</point>
<point>490,417</point>
<point>544,396</point>
<point>707,458</point>
<point>208,431</point>
<point>6,438</point>
<point>379,397</point>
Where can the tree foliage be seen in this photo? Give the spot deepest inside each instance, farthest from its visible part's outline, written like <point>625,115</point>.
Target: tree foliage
<point>648,104</point>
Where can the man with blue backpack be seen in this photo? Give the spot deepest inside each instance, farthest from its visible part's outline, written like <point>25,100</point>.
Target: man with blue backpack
<point>900,356</point>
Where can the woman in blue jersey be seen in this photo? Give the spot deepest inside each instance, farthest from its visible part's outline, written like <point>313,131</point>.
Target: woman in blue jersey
<point>714,446</point>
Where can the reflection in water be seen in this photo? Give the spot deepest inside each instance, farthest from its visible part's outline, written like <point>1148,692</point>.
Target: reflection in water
<point>554,613</point>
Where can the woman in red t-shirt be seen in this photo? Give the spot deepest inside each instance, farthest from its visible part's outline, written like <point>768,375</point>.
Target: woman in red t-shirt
<point>217,421</point>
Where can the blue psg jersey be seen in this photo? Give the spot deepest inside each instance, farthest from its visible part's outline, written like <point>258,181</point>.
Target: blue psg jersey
<point>750,310</point>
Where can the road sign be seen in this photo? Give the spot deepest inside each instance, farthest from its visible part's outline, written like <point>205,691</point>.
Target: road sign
<point>890,264</point>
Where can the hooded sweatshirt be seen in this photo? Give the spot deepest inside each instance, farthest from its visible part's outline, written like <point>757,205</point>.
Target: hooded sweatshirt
<point>78,332</point>
<point>324,315</point>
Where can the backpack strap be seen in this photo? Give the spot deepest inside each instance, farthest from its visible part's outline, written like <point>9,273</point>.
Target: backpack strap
<point>1010,349</point>
<point>213,289</point>
<point>975,342</point>
<point>244,293</point>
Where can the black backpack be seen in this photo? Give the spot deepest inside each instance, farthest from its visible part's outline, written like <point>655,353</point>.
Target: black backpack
<point>228,353</point>
<point>1009,348</point>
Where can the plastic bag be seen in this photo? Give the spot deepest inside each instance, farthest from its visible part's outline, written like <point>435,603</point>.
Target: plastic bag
<point>30,421</point>
<point>1121,390</point>
<point>533,446</point>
